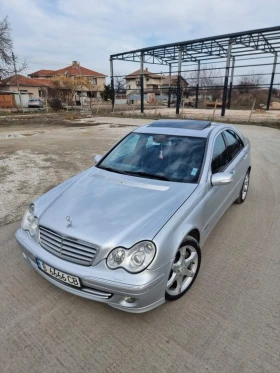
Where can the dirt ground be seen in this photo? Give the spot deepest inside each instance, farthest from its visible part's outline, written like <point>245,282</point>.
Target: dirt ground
<point>34,157</point>
<point>229,322</point>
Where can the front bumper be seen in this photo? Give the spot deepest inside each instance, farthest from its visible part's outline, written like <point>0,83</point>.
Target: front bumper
<point>100,283</point>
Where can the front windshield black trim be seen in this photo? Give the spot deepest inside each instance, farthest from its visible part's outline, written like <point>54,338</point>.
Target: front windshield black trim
<point>114,170</point>
<point>148,175</point>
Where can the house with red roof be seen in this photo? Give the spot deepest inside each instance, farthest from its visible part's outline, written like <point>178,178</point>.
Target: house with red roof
<point>75,70</point>
<point>32,87</point>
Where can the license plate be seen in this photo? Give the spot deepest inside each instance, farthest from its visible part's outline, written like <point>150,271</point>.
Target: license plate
<point>61,276</point>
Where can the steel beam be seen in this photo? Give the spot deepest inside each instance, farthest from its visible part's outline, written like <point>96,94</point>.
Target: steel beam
<point>112,84</point>
<point>231,82</point>
<point>179,82</point>
<point>219,38</point>
<point>197,85</point>
<point>142,81</point>
<point>226,79</point>
<point>169,85</point>
<point>271,82</point>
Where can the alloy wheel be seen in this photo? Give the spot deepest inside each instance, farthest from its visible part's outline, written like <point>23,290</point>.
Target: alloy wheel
<point>245,187</point>
<point>183,270</point>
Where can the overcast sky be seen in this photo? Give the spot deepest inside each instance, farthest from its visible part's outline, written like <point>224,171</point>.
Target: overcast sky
<point>50,34</point>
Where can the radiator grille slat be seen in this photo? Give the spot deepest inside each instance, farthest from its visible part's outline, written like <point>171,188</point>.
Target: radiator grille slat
<point>79,247</point>
<point>75,242</point>
<point>74,255</point>
<point>67,248</point>
<point>75,251</point>
<point>51,241</point>
<point>49,246</point>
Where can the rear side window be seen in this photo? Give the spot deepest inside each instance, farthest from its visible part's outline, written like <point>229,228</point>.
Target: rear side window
<point>234,144</point>
<point>220,158</point>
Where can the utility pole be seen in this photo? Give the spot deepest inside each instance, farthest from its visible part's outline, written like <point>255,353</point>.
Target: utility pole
<point>179,96</point>
<point>81,97</point>
<point>15,70</point>
<point>142,82</point>
<point>112,84</point>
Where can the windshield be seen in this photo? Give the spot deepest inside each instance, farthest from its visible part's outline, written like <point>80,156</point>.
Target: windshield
<point>163,157</point>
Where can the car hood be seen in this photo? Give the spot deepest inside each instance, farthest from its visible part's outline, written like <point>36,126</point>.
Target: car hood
<point>109,209</point>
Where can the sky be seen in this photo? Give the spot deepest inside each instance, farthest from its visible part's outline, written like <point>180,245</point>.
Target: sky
<point>50,34</point>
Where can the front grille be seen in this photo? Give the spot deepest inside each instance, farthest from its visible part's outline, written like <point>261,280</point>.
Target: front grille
<point>67,248</point>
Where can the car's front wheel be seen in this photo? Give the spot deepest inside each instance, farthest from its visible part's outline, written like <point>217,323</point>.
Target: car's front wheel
<point>184,269</point>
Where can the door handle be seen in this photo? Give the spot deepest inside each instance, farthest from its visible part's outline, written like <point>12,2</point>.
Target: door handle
<point>245,156</point>
<point>232,171</point>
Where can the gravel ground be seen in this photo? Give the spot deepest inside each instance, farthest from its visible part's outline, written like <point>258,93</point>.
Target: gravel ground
<point>33,160</point>
<point>229,322</point>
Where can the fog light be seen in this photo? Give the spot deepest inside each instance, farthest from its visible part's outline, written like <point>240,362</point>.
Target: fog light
<point>129,300</point>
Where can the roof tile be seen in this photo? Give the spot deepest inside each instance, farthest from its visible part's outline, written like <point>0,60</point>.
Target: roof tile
<point>24,81</point>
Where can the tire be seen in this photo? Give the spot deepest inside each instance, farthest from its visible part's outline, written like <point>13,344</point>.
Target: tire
<point>244,190</point>
<point>184,269</point>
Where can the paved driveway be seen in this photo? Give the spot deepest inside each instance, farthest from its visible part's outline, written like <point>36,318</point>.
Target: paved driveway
<point>228,322</point>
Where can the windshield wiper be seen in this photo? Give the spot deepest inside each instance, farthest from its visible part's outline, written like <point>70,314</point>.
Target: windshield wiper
<point>138,173</point>
<point>148,175</point>
<point>114,170</point>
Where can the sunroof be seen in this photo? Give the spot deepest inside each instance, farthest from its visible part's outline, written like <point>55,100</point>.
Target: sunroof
<point>180,123</point>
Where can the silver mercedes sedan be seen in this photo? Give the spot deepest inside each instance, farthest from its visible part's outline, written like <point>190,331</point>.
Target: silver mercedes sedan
<point>128,231</point>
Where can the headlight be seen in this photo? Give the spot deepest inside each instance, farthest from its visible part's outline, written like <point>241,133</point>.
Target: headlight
<point>133,260</point>
<point>30,222</point>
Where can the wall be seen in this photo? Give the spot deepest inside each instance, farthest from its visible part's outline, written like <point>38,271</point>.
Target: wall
<point>7,101</point>
<point>33,90</point>
<point>24,99</point>
<point>13,101</point>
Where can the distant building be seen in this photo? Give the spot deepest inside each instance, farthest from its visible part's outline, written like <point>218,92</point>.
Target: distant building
<point>75,70</point>
<point>156,84</point>
<point>173,84</point>
<point>11,100</point>
<point>152,82</point>
<point>33,87</point>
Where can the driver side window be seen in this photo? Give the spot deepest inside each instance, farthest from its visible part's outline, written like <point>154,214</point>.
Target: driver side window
<point>220,157</point>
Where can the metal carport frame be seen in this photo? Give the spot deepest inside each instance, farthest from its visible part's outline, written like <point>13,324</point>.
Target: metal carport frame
<point>228,47</point>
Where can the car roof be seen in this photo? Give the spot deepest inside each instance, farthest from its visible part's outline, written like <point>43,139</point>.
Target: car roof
<point>180,127</point>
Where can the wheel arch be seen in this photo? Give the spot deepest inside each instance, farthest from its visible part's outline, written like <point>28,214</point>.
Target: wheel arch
<point>194,233</point>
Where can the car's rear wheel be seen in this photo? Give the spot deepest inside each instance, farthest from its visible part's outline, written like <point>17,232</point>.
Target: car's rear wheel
<point>184,269</point>
<point>244,190</point>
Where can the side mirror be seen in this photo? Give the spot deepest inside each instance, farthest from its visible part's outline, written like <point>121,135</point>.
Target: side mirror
<point>97,158</point>
<point>221,178</point>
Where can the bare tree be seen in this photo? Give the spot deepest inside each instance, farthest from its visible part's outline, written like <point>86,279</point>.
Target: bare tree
<point>65,87</point>
<point>250,81</point>
<point>119,84</point>
<point>210,80</point>
<point>6,50</point>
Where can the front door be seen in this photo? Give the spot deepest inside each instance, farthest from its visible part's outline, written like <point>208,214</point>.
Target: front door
<point>217,195</point>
